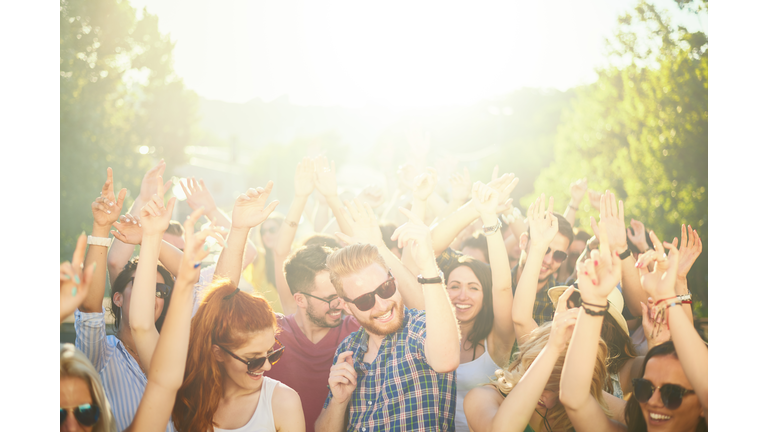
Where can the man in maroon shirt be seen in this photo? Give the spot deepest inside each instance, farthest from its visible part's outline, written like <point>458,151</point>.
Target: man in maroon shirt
<point>313,333</point>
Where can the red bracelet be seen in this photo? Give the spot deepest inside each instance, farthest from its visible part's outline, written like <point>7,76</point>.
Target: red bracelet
<point>657,303</point>
<point>687,302</point>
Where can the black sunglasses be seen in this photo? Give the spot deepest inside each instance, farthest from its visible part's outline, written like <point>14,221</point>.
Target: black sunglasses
<point>332,303</point>
<point>161,290</point>
<point>257,363</point>
<point>85,414</point>
<point>671,394</point>
<point>367,301</point>
<point>557,256</point>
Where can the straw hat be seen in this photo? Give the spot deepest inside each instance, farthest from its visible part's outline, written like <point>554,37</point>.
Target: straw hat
<point>615,303</point>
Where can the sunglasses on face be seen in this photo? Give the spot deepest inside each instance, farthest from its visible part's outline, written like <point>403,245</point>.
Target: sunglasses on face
<point>161,290</point>
<point>671,394</point>
<point>557,256</point>
<point>85,414</point>
<point>367,301</point>
<point>332,303</point>
<point>257,363</point>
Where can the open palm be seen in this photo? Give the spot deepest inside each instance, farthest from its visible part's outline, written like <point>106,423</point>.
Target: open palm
<point>251,209</point>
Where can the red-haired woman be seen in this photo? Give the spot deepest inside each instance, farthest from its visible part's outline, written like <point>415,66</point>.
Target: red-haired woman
<point>232,344</point>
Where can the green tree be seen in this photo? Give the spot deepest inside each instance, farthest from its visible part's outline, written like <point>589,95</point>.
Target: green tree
<point>118,93</point>
<point>641,131</point>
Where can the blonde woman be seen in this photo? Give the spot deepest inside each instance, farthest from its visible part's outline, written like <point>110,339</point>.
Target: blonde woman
<point>83,404</point>
<point>524,397</point>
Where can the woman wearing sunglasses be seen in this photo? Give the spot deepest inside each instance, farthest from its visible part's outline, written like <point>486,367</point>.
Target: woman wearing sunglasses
<point>671,394</point>
<point>232,344</point>
<point>83,405</point>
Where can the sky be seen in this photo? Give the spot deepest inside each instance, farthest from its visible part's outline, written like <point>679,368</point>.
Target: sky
<point>395,53</point>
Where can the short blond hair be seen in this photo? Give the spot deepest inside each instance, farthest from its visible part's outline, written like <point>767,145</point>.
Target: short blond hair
<point>350,260</point>
<point>73,363</point>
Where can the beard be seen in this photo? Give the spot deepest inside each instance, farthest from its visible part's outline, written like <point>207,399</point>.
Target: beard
<point>322,320</point>
<point>371,325</point>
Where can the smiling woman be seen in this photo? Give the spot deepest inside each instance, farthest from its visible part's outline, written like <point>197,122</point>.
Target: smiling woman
<point>232,344</point>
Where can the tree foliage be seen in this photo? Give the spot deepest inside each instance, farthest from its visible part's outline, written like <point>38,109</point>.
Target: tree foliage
<point>641,131</point>
<point>118,92</point>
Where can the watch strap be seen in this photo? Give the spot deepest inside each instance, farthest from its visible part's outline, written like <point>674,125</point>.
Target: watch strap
<point>100,241</point>
<point>435,280</point>
<point>625,254</point>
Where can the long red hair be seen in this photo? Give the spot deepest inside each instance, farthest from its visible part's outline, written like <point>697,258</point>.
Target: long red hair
<point>226,322</point>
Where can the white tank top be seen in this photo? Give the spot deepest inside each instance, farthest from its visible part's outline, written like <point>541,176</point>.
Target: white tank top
<point>262,420</point>
<point>468,376</point>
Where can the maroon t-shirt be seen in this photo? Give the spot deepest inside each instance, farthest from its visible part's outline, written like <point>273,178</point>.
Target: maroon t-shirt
<point>305,366</point>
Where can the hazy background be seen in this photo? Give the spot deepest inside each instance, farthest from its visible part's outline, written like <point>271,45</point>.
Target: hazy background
<point>237,92</point>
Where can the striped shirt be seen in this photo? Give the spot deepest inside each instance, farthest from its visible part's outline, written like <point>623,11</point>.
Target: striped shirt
<point>399,391</point>
<point>121,376</point>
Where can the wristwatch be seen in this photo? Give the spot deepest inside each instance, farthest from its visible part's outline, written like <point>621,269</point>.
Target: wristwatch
<point>488,230</point>
<point>99,241</point>
<point>435,280</point>
<point>625,254</point>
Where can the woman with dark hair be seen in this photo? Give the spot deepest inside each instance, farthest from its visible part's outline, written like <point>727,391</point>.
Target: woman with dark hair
<point>677,369</point>
<point>115,357</point>
<point>482,298</point>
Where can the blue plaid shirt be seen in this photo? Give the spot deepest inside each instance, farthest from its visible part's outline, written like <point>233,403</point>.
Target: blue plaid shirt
<point>399,391</point>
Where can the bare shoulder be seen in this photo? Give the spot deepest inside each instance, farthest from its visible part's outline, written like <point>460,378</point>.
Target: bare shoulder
<point>286,410</point>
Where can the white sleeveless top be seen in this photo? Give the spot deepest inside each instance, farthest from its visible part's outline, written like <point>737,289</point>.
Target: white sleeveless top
<point>468,376</point>
<point>262,420</point>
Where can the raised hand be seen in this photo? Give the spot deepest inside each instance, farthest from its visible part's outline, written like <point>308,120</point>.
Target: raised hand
<point>613,216</point>
<point>251,209</point>
<point>372,195</point>
<point>659,284</point>
<point>303,180</point>
<point>542,222</point>
<point>578,189</point>
<point>106,208</point>
<point>690,249</point>
<point>405,175</point>
<point>600,273</point>
<point>74,281</point>
<point>155,215</point>
<point>148,183</point>
<point>504,185</point>
<point>461,186</point>
<point>195,248</point>
<point>638,238</point>
<point>416,234</point>
<point>365,229</point>
<point>594,199</point>
<point>563,322</point>
<point>424,184</point>
<point>485,199</point>
<point>325,176</point>
<point>128,230</point>
<point>198,195</point>
<point>650,315</point>
<point>343,378</point>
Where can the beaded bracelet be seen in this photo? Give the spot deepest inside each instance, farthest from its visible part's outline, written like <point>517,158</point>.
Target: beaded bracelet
<point>595,313</point>
<point>685,297</point>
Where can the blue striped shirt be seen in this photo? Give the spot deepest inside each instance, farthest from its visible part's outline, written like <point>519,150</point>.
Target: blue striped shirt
<point>121,376</point>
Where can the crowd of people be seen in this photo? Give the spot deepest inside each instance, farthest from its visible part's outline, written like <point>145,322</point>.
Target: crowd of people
<point>401,313</point>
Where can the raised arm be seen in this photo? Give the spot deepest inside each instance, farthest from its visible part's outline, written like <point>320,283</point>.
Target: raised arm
<point>660,284</point>
<point>461,188</point>
<point>365,229</point>
<point>325,182</point>
<point>166,370</point>
<point>578,189</point>
<point>442,340</point>
<point>485,200</point>
<point>543,229</point>
<point>690,249</point>
<point>616,229</point>
<point>198,195</point>
<point>120,253</point>
<point>342,382</point>
<point>250,210</point>
<point>155,217</point>
<point>129,231</point>
<point>423,188</point>
<point>106,209</point>
<point>303,187</point>
<point>75,282</point>
<point>598,276</point>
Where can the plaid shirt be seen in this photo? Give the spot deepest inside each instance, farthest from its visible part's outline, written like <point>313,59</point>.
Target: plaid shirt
<point>543,310</point>
<point>399,391</point>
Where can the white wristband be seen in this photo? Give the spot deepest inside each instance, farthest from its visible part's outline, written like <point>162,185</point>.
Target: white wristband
<point>99,241</point>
